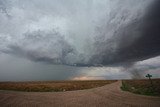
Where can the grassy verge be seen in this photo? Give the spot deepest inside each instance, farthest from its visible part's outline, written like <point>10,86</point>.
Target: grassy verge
<point>142,87</point>
<point>55,86</point>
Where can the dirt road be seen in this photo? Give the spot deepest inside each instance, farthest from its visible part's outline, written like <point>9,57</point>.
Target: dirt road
<point>106,96</point>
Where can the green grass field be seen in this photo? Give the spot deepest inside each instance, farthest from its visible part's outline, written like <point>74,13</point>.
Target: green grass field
<point>143,87</point>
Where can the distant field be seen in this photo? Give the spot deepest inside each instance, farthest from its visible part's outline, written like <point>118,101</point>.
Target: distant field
<point>48,86</point>
<point>143,87</point>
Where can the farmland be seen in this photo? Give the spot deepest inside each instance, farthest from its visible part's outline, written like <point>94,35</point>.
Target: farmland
<point>55,86</point>
<point>143,86</point>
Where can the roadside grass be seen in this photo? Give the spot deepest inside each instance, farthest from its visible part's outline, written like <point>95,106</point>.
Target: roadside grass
<point>53,86</point>
<point>142,87</point>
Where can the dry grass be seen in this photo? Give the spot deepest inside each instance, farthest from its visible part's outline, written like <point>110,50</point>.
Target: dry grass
<point>143,87</point>
<point>45,86</point>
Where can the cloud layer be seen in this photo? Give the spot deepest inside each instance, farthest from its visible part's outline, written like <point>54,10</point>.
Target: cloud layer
<point>80,32</point>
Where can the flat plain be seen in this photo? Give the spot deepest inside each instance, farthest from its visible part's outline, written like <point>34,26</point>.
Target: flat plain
<point>109,95</point>
<point>55,86</point>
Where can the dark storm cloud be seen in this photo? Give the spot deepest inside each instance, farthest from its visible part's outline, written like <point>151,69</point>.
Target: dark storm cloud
<point>20,52</point>
<point>148,44</point>
<point>110,34</point>
<point>136,41</point>
<point>59,48</point>
<point>84,33</point>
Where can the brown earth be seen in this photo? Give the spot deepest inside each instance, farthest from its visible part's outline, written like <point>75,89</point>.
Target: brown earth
<point>50,86</point>
<point>106,96</point>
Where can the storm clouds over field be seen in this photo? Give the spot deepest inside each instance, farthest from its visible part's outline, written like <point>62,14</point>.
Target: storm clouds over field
<point>79,39</point>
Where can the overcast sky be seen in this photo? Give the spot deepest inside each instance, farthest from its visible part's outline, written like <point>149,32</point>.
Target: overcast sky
<point>79,39</point>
